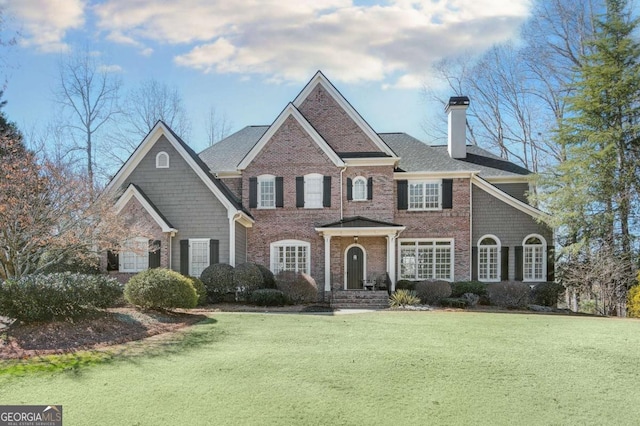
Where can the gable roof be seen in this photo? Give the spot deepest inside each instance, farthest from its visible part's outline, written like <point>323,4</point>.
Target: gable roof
<point>133,191</point>
<point>225,155</point>
<point>360,222</point>
<point>417,156</point>
<point>290,111</point>
<point>219,190</point>
<point>320,79</point>
<point>508,199</point>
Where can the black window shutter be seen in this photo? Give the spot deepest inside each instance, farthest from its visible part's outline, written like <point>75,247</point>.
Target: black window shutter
<point>253,192</point>
<point>447,193</point>
<point>474,263</point>
<point>279,191</point>
<point>519,263</point>
<point>113,261</point>
<point>551,261</point>
<point>326,192</point>
<point>370,188</point>
<point>214,252</point>
<point>299,191</point>
<point>184,257</point>
<point>504,264</point>
<point>403,195</point>
<point>154,254</point>
<point>349,189</point>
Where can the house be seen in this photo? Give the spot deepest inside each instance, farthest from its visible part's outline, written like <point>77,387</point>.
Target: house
<point>319,191</point>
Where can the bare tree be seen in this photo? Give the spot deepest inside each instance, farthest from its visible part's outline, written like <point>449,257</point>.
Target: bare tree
<point>89,91</point>
<point>217,126</point>
<point>143,107</point>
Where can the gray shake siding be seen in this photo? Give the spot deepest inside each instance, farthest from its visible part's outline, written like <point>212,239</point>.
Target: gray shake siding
<point>516,190</point>
<point>241,244</point>
<point>182,197</point>
<point>510,225</point>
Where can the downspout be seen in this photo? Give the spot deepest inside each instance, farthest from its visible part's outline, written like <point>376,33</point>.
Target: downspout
<point>342,170</point>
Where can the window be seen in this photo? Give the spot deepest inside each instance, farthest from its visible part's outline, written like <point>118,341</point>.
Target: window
<point>425,195</point>
<point>198,256</point>
<point>266,192</point>
<point>313,191</point>
<point>488,258</point>
<point>134,256</point>
<point>290,255</point>
<point>426,259</point>
<point>535,262</point>
<point>359,189</point>
<point>162,160</point>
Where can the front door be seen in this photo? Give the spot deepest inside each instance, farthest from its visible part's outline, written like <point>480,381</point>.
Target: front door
<point>355,268</point>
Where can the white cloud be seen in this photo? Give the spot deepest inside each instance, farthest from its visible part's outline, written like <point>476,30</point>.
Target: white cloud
<point>110,68</point>
<point>45,22</point>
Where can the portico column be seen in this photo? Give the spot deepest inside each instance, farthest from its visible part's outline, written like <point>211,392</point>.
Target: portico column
<point>391,259</point>
<point>327,262</point>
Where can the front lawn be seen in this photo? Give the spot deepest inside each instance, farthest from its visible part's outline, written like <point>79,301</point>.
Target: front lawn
<point>375,368</point>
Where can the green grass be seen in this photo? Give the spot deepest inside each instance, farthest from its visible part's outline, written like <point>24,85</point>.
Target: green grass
<point>378,368</point>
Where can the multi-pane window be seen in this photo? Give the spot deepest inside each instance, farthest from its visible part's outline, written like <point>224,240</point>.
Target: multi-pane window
<point>134,256</point>
<point>198,256</point>
<point>425,195</point>
<point>426,259</point>
<point>290,255</point>
<point>488,260</point>
<point>313,191</point>
<point>266,192</point>
<point>534,259</point>
<point>359,189</point>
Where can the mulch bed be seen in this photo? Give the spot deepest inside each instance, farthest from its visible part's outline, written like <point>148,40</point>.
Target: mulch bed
<point>107,328</point>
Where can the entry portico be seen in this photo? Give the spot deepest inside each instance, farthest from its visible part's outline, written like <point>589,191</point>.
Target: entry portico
<point>354,268</point>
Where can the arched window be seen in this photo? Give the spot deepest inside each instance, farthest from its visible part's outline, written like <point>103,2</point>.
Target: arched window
<point>535,258</point>
<point>489,258</point>
<point>359,189</point>
<point>162,160</point>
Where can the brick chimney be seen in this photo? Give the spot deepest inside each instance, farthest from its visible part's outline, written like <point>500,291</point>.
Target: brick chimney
<point>457,112</point>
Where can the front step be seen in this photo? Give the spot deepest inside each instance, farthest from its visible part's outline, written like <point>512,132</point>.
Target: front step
<point>359,299</point>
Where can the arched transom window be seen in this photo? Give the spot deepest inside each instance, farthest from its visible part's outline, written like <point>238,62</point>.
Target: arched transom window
<point>359,189</point>
<point>162,160</point>
<point>488,258</point>
<point>535,262</point>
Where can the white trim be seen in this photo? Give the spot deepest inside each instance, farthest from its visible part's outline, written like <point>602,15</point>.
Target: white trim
<point>364,262</point>
<point>290,111</point>
<point>432,175</point>
<point>162,154</point>
<point>327,262</point>
<point>289,243</point>
<point>370,161</point>
<point>132,192</point>
<point>544,257</point>
<point>498,245</point>
<point>319,78</point>
<point>374,231</point>
<point>145,146</point>
<point>208,256</point>
<point>508,199</point>
<point>434,240</point>
<point>232,241</point>
<point>353,188</point>
<point>507,179</point>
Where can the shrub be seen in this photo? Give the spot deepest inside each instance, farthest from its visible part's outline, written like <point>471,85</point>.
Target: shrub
<point>461,287</point>
<point>508,294</point>
<point>430,292</point>
<point>218,280</point>
<point>401,298</point>
<point>268,279</point>
<point>268,297</point>
<point>405,285</point>
<point>200,289</point>
<point>297,286</point>
<point>247,278</point>
<point>44,297</point>
<point>472,299</point>
<point>633,302</point>
<point>455,302</point>
<point>546,294</point>
<point>160,288</point>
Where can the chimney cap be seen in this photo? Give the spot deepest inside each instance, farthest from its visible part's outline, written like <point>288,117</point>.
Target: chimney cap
<point>458,100</point>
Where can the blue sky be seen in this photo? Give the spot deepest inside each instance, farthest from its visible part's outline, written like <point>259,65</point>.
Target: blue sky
<point>249,58</point>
